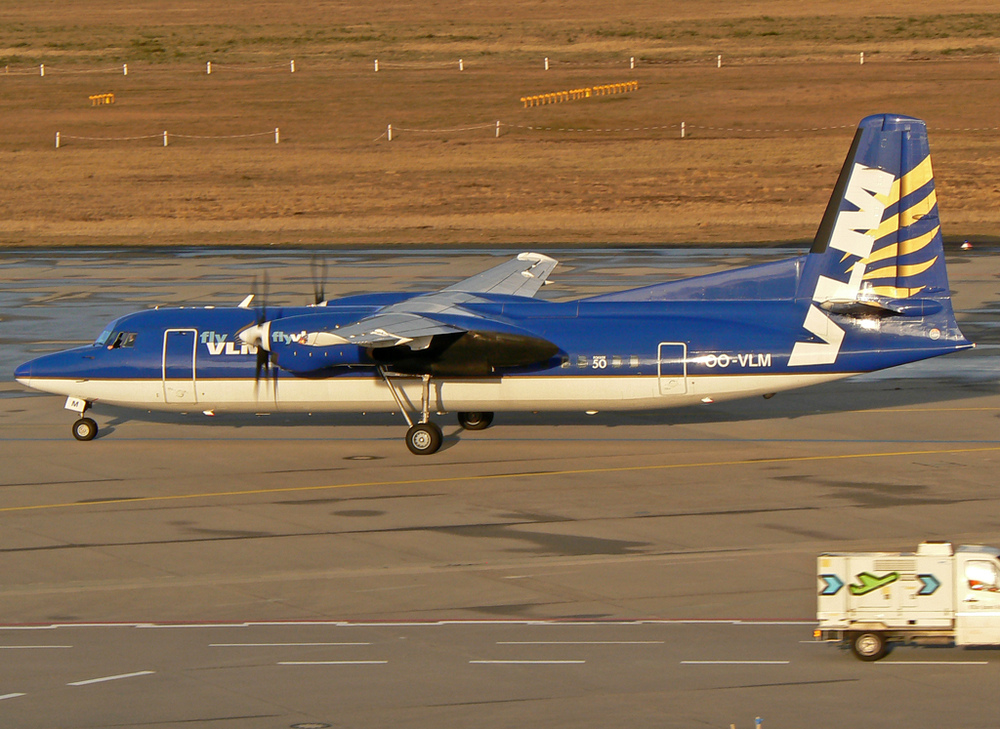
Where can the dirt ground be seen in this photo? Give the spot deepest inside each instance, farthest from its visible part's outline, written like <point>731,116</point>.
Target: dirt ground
<point>765,134</point>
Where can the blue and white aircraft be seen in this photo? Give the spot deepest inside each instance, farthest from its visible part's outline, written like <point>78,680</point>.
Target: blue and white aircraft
<point>871,293</point>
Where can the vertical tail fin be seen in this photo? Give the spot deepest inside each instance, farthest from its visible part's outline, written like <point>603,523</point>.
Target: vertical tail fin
<point>878,249</point>
<point>880,237</point>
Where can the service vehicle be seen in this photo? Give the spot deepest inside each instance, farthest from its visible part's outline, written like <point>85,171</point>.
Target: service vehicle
<point>939,594</point>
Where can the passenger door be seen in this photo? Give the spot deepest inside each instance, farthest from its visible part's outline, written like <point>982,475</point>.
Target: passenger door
<point>179,347</point>
<point>671,368</point>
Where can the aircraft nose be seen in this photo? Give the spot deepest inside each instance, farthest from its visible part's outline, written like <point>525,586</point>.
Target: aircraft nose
<point>23,372</point>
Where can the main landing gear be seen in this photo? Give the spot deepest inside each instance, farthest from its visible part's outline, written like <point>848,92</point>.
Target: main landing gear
<point>475,421</point>
<point>424,437</point>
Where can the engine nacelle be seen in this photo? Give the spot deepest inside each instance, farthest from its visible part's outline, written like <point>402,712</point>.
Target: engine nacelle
<point>302,358</point>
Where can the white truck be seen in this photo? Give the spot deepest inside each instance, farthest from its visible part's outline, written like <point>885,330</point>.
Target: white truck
<point>868,600</point>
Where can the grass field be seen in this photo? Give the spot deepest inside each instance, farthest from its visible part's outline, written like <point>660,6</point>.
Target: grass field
<point>606,170</point>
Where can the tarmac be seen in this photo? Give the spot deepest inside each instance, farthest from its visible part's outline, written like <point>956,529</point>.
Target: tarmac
<point>640,543</point>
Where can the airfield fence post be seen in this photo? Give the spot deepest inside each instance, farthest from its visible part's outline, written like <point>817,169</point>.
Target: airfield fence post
<point>388,132</point>
<point>376,65</point>
<point>718,61</point>
<point>546,64</point>
<point>498,129</point>
<point>461,65</point>
<point>277,135</point>
<point>57,140</point>
<point>682,130</point>
<point>124,69</point>
<point>164,137</point>
<point>862,58</point>
<point>208,68</point>
<point>292,64</point>
<point>631,62</point>
<point>41,69</point>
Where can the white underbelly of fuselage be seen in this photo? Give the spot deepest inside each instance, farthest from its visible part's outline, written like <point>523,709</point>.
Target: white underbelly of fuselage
<point>372,394</point>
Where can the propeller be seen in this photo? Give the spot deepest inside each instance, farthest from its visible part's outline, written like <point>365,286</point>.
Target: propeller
<point>317,268</point>
<point>259,335</point>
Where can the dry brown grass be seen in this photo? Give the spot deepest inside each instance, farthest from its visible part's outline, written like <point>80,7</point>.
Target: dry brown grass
<point>332,179</point>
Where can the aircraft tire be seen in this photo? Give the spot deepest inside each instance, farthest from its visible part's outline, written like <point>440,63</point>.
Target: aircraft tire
<point>423,439</point>
<point>868,645</point>
<point>475,421</point>
<point>85,429</point>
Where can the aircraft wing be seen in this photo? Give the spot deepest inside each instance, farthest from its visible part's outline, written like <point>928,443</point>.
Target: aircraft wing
<point>521,276</point>
<point>403,334</point>
<point>383,330</point>
<point>414,321</point>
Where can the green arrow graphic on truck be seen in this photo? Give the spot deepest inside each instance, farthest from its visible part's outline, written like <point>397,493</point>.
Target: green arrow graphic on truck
<point>870,582</point>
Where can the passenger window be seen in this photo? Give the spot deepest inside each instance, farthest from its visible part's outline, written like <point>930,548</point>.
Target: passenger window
<point>616,361</point>
<point>633,361</point>
<point>582,361</point>
<point>982,576</point>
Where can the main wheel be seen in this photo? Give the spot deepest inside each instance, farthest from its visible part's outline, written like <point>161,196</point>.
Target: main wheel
<point>84,429</point>
<point>423,439</point>
<point>868,646</point>
<point>475,421</point>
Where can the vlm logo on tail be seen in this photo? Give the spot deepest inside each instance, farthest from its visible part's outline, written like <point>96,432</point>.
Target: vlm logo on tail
<point>879,242</point>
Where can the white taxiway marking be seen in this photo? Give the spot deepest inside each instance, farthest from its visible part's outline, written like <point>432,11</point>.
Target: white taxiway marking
<point>266,645</point>
<point>735,663</point>
<point>580,642</point>
<point>29,647</point>
<point>934,663</point>
<point>10,696</point>
<point>527,662</point>
<point>331,663</point>
<point>110,678</point>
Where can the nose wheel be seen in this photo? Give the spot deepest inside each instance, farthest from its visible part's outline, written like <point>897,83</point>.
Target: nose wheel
<point>85,429</point>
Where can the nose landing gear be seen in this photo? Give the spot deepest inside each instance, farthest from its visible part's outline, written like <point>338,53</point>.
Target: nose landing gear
<point>85,429</point>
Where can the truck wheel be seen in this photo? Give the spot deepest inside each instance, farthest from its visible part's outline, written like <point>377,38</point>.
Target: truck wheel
<point>868,646</point>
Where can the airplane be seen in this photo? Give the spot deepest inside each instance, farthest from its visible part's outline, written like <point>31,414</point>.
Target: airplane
<point>871,293</point>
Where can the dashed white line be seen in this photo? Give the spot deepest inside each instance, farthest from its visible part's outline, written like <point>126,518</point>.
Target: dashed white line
<point>331,663</point>
<point>580,642</point>
<point>102,679</point>
<point>527,662</point>
<point>268,645</point>
<point>10,696</point>
<point>734,663</point>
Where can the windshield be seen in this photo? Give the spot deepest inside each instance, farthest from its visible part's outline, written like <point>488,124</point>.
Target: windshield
<point>103,336</point>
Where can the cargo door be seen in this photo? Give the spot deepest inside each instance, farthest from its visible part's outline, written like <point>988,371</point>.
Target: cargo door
<point>178,365</point>
<point>876,587</point>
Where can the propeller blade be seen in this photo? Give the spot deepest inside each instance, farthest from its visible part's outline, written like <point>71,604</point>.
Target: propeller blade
<point>317,268</point>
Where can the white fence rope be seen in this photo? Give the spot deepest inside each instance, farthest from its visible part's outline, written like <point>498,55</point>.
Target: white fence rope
<point>684,129</point>
<point>165,136</point>
<point>459,64</point>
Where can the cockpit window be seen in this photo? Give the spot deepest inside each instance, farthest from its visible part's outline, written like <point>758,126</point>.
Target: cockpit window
<point>122,339</point>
